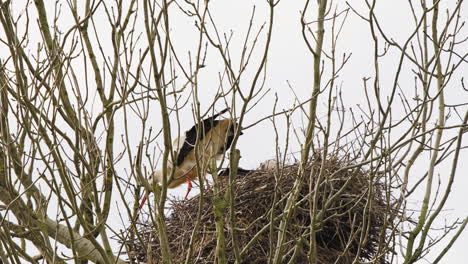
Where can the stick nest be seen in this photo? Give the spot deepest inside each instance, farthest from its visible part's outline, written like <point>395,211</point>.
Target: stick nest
<point>356,225</point>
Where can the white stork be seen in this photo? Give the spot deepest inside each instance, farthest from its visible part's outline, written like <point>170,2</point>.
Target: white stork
<point>214,139</point>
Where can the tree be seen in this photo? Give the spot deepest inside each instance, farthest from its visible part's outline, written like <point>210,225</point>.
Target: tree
<point>85,85</point>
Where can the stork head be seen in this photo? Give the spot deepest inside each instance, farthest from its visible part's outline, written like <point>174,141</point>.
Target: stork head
<point>155,176</point>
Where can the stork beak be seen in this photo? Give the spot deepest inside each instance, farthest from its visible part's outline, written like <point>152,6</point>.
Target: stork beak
<point>144,199</point>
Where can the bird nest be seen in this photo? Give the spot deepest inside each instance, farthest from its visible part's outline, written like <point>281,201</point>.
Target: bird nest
<point>356,225</point>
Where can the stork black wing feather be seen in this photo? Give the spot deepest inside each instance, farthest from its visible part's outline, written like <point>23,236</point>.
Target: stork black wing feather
<point>191,136</point>
<point>240,172</point>
<point>229,140</point>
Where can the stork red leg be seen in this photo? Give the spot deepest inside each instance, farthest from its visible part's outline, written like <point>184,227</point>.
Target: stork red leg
<point>189,187</point>
<point>144,199</point>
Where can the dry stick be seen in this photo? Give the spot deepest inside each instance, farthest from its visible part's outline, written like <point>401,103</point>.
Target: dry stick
<point>219,206</point>
<point>451,178</point>
<point>233,173</point>
<point>195,229</point>
<point>314,200</point>
<point>446,194</point>
<point>279,173</point>
<point>8,145</point>
<point>380,127</point>
<point>450,244</point>
<point>230,197</point>
<point>247,98</point>
<point>160,199</point>
<point>197,142</point>
<point>54,51</point>
<point>109,113</point>
<point>55,59</point>
<point>421,116</point>
<point>136,171</point>
<point>97,246</point>
<point>12,251</point>
<point>110,170</point>
<point>411,256</point>
<point>289,208</point>
<point>87,203</point>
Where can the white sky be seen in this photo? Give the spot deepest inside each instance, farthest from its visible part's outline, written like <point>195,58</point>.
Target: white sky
<point>290,61</point>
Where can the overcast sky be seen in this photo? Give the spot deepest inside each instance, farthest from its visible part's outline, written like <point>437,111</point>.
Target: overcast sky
<point>290,62</point>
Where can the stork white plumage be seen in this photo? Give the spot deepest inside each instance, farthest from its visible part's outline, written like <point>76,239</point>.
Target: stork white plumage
<point>214,139</point>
